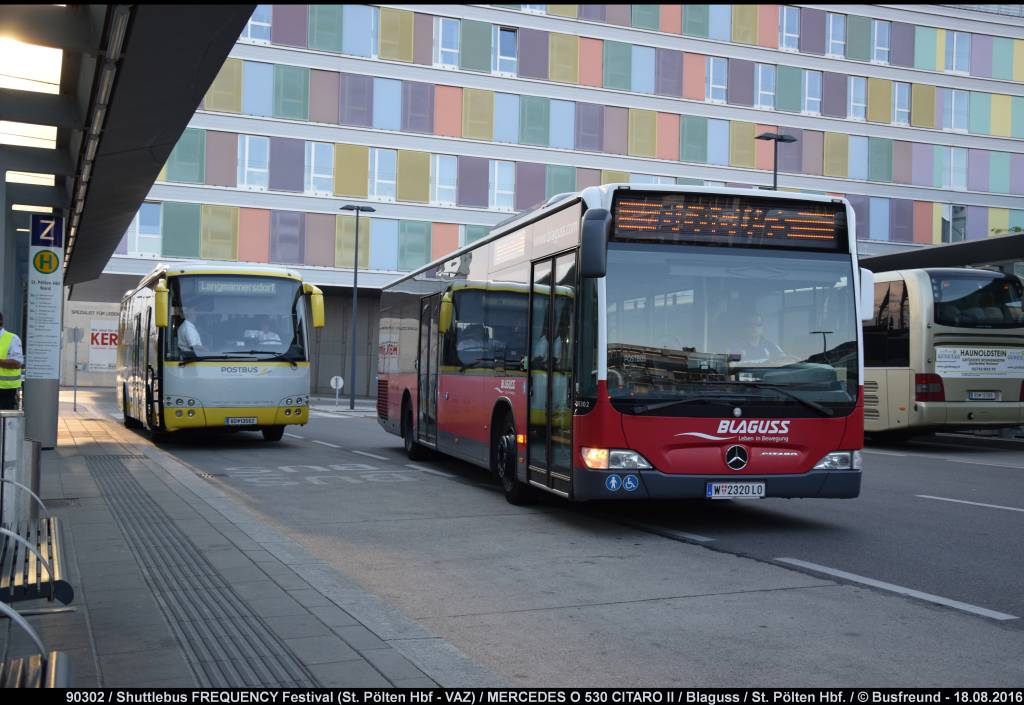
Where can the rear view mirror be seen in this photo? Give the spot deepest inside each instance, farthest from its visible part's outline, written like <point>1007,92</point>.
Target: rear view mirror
<point>597,226</point>
<point>444,316</point>
<point>316,304</point>
<point>867,294</point>
<point>160,304</point>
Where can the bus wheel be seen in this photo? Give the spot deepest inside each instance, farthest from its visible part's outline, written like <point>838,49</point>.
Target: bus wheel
<point>414,450</point>
<point>273,433</point>
<point>503,463</point>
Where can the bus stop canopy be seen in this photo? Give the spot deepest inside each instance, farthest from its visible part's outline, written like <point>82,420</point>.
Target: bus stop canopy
<point>1000,250</point>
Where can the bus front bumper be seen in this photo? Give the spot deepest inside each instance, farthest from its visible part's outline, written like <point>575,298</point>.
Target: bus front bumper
<point>177,418</point>
<point>594,484</point>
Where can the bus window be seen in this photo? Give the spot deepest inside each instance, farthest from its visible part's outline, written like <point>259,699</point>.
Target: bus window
<point>976,300</point>
<point>887,335</point>
<point>470,337</point>
<point>505,316</point>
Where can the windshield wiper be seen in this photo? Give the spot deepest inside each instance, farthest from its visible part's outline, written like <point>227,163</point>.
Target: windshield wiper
<point>203,358</point>
<point>276,356</point>
<point>647,408</point>
<point>823,410</point>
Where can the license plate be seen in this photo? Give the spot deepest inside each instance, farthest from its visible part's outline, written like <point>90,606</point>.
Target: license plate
<point>983,396</point>
<point>240,421</point>
<point>735,490</point>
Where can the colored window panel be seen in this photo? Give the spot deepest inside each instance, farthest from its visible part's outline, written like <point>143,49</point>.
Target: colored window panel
<point>980,55</point>
<point>922,105</point>
<point>417,107</point>
<point>474,181</point>
<point>291,92</point>
<point>506,118</point>
<point>645,16</point>
<point>225,94</point>
<point>289,25</point>
<point>878,219</point>
<point>1016,219</point>
<point>477,114</point>
<point>740,88</point>
<point>696,20</point>
<point>1018,59</point>
<point>902,44</point>
<point>788,89</point>
<point>720,22</point>
<point>444,238</point>
<point>448,111</point>
<point>423,39</point>
<point>345,242</point>
<point>187,161</point>
<point>767,22</point>
<point>563,10</point>
<point>718,142</point>
<point>221,158</point>
<point>977,168</point>
<point>469,234</point>
<point>858,38</point>
<point>671,19</point>
<point>741,144</point>
<point>763,149</point>
<point>977,223</point>
<point>325,27</point>
<point>694,71</point>
<point>642,132</point>
<point>324,96</point>
<point>668,136</point>
<point>616,130</point>
<point>181,229</point>
<point>836,154</point>
<point>744,24</point>
<point>812,31</point>
<point>254,245</point>
<point>610,176</point>
<point>358,34</point>
<point>356,100</point>
<point>387,104</point>
<point>833,94</point>
<point>668,77</point>
<point>413,176</point>
<point>533,54</point>
<point>790,154</point>
<point>999,172</point>
<point>642,70</point>
<point>902,162</point>
<point>998,220</point>
<point>879,159</point>
<point>694,139</point>
<point>559,179</point>
<point>534,120</point>
<point>901,222</point>
<point>530,183</point>
<point>922,164</point>
<point>618,63</point>
<point>257,88</point>
<point>396,34</point>
<point>1001,115</point>
<point>617,14</point>
<point>562,131</point>
<point>1002,58</point>
<point>591,63</point>
<point>587,177</point>
<point>564,58</point>
<point>413,244</point>
<point>219,232</point>
<point>879,100</point>
<point>351,170</point>
<point>1017,117</point>
<point>813,152</point>
<point>476,46</point>
<point>320,233</point>
<point>384,244</point>
<point>589,127</point>
<point>857,164</point>
<point>287,162</point>
<point>981,113</point>
<point>925,48</point>
<point>923,222</point>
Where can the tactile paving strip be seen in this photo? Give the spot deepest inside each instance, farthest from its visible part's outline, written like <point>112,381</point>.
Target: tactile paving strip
<point>225,642</point>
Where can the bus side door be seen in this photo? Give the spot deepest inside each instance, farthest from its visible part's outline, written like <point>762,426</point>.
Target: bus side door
<point>427,370</point>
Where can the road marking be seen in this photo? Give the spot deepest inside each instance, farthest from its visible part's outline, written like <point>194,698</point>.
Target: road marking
<point>955,604</point>
<point>931,456</point>
<point>976,504</point>
<point>428,470</point>
<point>294,435</point>
<point>370,455</point>
<point>325,443</point>
<point>884,452</point>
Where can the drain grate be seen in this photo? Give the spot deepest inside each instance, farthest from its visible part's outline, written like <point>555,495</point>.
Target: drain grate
<point>225,642</point>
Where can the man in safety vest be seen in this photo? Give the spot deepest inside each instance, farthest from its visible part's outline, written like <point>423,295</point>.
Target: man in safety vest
<point>11,361</point>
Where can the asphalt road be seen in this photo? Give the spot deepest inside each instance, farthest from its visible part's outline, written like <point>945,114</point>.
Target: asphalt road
<point>600,585</point>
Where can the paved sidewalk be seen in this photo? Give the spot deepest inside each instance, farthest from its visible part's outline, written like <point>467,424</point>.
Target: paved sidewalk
<point>365,407</point>
<point>178,584</point>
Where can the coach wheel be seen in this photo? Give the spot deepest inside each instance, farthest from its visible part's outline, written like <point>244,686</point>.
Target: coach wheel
<point>504,459</point>
<point>414,450</point>
<point>272,434</point>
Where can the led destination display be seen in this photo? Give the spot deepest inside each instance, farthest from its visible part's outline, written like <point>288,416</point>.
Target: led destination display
<point>720,219</point>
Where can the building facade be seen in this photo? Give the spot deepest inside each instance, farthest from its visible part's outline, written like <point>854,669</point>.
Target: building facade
<point>448,118</point>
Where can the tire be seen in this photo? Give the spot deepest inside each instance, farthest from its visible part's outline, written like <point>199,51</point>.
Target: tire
<point>504,461</point>
<point>272,434</point>
<point>414,450</point>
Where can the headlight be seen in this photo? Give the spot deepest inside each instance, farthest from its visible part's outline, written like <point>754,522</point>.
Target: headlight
<point>842,460</point>
<point>614,459</point>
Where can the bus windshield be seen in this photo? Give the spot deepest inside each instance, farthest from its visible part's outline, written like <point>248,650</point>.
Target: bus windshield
<point>697,325</point>
<point>976,300</point>
<point>236,317</point>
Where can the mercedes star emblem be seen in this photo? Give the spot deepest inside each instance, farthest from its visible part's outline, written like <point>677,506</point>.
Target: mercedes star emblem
<point>736,457</point>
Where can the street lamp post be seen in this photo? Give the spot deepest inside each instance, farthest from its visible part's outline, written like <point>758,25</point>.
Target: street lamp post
<point>776,138</point>
<point>355,290</point>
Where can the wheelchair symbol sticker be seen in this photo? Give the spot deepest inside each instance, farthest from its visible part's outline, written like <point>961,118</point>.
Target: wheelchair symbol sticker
<point>612,483</point>
<point>630,483</point>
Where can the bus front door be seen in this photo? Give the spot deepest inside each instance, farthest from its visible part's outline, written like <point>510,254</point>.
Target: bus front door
<point>549,427</point>
<point>427,370</point>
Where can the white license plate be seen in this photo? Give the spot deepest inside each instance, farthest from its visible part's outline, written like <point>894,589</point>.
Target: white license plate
<point>735,490</point>
<point>983,396</point>
<point>240,421</point>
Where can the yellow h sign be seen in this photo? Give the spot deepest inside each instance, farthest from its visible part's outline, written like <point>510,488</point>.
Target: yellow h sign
<point>45,262</point>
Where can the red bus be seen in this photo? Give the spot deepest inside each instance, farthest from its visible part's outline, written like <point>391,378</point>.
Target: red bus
<point>652,342</point>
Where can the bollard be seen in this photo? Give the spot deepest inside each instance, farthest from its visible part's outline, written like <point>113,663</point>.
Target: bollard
<point>33,457</point>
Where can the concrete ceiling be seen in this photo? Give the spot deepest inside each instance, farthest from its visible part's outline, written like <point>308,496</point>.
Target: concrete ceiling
<point>992,251</point>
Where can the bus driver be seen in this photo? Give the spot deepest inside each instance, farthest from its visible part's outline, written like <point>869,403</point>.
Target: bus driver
<point>189,340</point>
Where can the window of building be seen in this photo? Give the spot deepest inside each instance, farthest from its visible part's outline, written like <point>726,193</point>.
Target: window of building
<point>446,42</point>
<point>253,162</point>
<point>880,41</point>
<point>957,110</point>
<point>383,174</point>
<point>812,93</point>
<point>443,179</point>
<point>650,179</point>
<point>717,82</point>
<point>535,9</point>
<point>257,29</point>
<point>789,28</point>
<point>503,51</point>
<point>857,98</point>
<point>150,227</point>
<point>958,52</point>
<point>319,168</point>
<point>901,103</point>
<point>503,185</point>
<point>765,97</point>
<point>836,35</point>
<point>954,223</point>
<point>954,168</point>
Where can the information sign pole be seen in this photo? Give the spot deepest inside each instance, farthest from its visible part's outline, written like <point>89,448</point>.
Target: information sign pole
<point>43,328</point>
